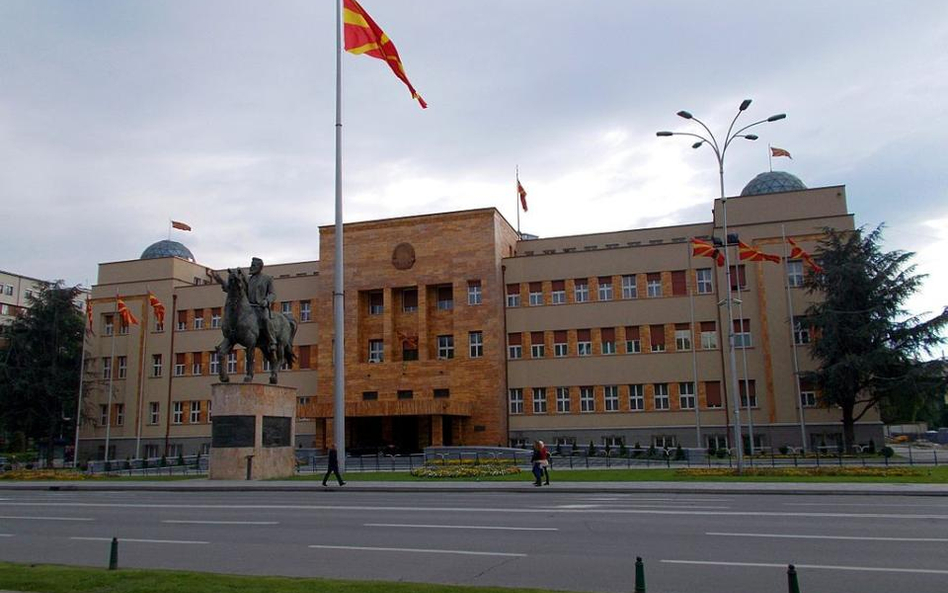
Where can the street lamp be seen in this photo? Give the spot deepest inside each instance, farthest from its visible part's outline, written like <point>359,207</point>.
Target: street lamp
<point>719,151</point>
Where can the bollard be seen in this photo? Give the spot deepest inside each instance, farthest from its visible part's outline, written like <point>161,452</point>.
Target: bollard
<point>640,575</point>
<point>113,554</point>
<point>792,584</point>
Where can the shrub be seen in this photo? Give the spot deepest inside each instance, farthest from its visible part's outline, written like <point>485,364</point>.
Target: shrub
<point>29,466</point>
<point>888,452</point>
<point>651,451</point>
<point>128,464</point>
<point>592,449</point>
<point>722,453</point>
<point>784,450</point>
<point>872,446</point>
<point>623,452</point>
<point>180,459</point>
<point>712,451</point>
<point>163,461</point>
<point>679,453</point>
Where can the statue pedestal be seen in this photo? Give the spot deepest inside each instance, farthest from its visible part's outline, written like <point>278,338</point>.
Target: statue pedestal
<point>252,431</point>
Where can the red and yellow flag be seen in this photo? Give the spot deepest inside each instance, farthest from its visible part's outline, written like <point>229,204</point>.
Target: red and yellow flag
<point>89,315</point>
<point>157,308</point>
<point>754,254</point>
<point>181,226</point>
<point>774,151</point>
<point>124,313</point>
<point>701,248</point>
<point>363,36</point>
<point>523,195</point>
<point>796,252</point>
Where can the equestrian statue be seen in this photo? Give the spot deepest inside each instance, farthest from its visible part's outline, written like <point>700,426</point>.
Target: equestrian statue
<point>249,322</point>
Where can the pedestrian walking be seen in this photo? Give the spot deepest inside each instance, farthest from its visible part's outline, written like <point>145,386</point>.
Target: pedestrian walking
<point>535,458</point>
<point>545,462</point>
<point>333,465</point>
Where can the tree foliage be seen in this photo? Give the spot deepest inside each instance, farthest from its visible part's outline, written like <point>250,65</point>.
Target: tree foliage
<point>868,346</point>
<point>39,368</point>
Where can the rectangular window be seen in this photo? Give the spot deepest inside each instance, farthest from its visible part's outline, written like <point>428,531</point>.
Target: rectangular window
<point>306,313</point>
<point>679,283</point>
<point>442,393</point>
<point>636,397</point>
<point>515,397</point>
<point>119,414</point>
<point>738,277</point>
<point>182,320</point>
<point>375,351</point>
<point>286,307</point>
<point>745,387</point>
<point>742,333</point>
<point>197,363</point>
<point>232,362</point>
<point>156,365</point>
<point>581,290</point>
<point>475,343</point>
<point>474,296</point>
<point>709,335</point>
<point>686,396</point>
<point>662,401</point>
<point>605,288</point>
<point>123,327</point>
<point>409,300</point>
<point>370,396</point>
<point>513,295</point>
<point>539,400</point>
<point>705,280</point>
<point>657,334</point>
<point>682,337</point>
<point>536,294</point>
<point>376,302</point>
<point>106,368</point>
<point>558,292</point>
<point>583,342</point>
<point>664,442</point>
<point>103,415</point>
<point>537,347</point>
<point>607,339</point>
<point>216,317</point>
<point>410,348</point>
<point>154,409</point>
<point>199,319</point>
<point>179,362</point>
<point>712,391</point>
<point>122,367</point>
<point>445,347</point>
<point>560,343</point>
<point>304,356</point>
<point>633,341</point>
<point>151,451</point>
<point>514,346</point>
<point>587,400</point>
<point>562,400</point>
<point>801,332</point>
<point>807,394</point>
<point>653,284</point>
<point>611,398</point>
<point>109,321</point>
<point>195,415</point>
<point>405,394</point>
<point>629,290</point>
<point>215,363</point>
<point>795,273</point>
<point>177,413</point>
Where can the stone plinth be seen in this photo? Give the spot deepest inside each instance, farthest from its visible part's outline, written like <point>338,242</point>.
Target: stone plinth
<point>252,419</point>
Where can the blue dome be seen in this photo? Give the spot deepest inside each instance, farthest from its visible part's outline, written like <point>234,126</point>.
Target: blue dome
<point>167,248</point>
<point>772,182</point>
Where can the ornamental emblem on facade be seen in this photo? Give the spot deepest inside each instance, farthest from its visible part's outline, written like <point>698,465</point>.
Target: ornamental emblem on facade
<point>403,257</point>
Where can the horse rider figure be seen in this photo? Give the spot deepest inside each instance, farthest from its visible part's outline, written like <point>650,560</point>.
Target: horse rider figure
<point>261,295</point>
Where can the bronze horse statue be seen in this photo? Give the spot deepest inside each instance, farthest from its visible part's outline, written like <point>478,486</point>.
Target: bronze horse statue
<point>241,326</point>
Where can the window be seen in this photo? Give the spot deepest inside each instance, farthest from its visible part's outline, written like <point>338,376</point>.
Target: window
<point>709,335</point>
<point>306,313</point>
<point>611,398</point>
<point>539,400</point>
<point>195,415</point>
<point>607,338</point>
<point>409,348</point>
<point>795,273</point>
<point>515,396</point>
<point>232,362</point>
<point>633,342</point>
<point>370,396</point>
<point>106,368</point>
<point>409,300</point>
<point>581,290</point>
<point>445,298</point>
<point>712,391</point>
<point>197,362</point>
<point>445,347</point>
<point>717,441</point>
<point>583,342</point>
<point>159,325</point>
<point>8,289</point>
<point>216,317</point>
<point>474,292</point>
<point>605,288</point>
<point>587,401</point>
<point>154,409</point>
<point>653,285</point>
<point>745,387</point>
<point>562,400</point>
<point>215,363</point>
<point>103,415</point>
<point>182,320</point>
<point>405,394</point>
<point>801,332</point>
<point>375,302</point>
<point>156,365</point>
<point>636,397</point>
<point>742,335</point>
<point>177,413</point>
<point>375,351</point>
<point>682,337</point>
<point>475,342</point>
<point>122,367</point>
<point>537,347</point>
<point>119,414</point>
<point>513,295</point>
<point>286,307</point>
<point>705,280</point>
<point>209,404</point>
<point>686,396</point>
<point>123,327</point>
<point>109,324</point>
<point>662,401</point>
<point>657,334</point>
<point>302,360</point>
<point>536,294</point>
<point>679,283</point>
<point>514,346</point>
<point>558,292</point>
<point>738,277</point>
<point>629,290</point>
<point>179,361</point>
<point>807,394</point>
<point>664,442</point>
<point>175,449</point>
<point>199,319</point>
<point>560,344</point>
<point>442,393</point>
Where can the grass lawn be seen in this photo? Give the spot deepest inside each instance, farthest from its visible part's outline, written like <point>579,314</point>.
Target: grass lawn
<point>66,579</point>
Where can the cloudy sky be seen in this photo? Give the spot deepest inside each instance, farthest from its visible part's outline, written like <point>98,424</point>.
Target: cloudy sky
<point>116,116</point>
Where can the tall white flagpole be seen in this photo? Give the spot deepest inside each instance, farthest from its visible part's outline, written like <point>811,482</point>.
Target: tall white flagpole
<point>517,194</point>
<point>793,342</point>
<point>82,374</point>
<point>747,395</point>
<point>694,349</point>
<point>338,295</point>
<point>108,409</point>
<point>143,327</point>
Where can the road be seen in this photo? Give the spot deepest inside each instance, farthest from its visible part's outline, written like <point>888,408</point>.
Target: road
<point>570,541</point>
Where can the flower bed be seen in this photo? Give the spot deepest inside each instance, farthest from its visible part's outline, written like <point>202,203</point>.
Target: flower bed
<point>463,470</point>
<point>42,474</point>
<point>869,472</point>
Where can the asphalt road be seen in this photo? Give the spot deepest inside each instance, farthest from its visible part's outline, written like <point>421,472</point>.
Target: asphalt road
<point>692,543</point>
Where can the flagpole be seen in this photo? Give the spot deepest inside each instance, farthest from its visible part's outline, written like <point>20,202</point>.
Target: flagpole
<point>143,327</point>
<point>770,157</point>
<point>793,344</point>
<point>517,197</point>
<point>82,374</point>
<point>338,296</point>
<point>694,350</point>
<point>740,311</point>
<point>108,409</point>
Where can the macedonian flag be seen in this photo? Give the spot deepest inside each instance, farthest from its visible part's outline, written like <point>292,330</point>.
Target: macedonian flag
<point>124,313</point>
<point>363,36</point>
<point>796,252</point>
<point>754,254</point>
<point>157,308</point>
<point>701,248</point>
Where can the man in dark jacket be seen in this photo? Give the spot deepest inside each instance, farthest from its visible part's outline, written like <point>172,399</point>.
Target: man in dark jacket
<point>333,465</point>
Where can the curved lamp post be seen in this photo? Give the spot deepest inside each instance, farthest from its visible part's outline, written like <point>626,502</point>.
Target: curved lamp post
<point>719,152</point>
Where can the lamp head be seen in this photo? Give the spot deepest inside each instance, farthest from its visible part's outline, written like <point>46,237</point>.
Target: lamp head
<point>697,144</point>
<point>751,136</point>
<point>664,133</point>
<point>744,104</point>
<point>777,117</point>
<point>685,114</point>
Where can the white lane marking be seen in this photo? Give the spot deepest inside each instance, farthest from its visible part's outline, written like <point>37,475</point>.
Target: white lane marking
<point>304,507</point>
<point>844,537</point>
<point>861,504</point>
<point>417,550</point>
<point>6,535</point>
<point>577,506</point>
<point>188,522</point>
<point>139,541</point>
<point>11,517</point>
<point>461,527</point>
<point>814,566</point>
